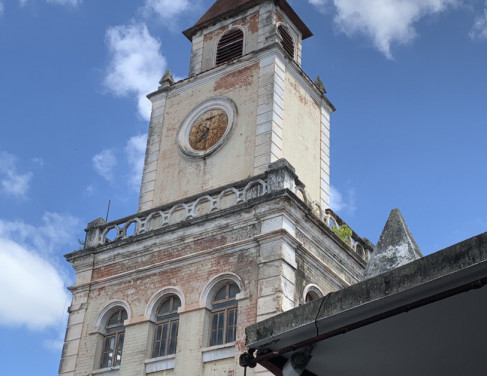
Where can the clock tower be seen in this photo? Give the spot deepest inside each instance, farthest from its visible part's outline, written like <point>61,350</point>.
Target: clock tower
<point>245,104</point>
<point>233,224</point>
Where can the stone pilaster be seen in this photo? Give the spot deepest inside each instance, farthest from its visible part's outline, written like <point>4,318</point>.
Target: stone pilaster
<point>270,113</point>
<point>325,156</point>
<point>152,152</point>
<point>136,348</point>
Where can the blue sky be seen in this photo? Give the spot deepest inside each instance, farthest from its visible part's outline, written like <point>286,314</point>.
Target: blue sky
<point>408,78</point>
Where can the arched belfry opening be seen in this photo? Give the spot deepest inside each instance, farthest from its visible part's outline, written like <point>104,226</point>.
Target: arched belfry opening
<point>230,46</point>
<point>287,40</point>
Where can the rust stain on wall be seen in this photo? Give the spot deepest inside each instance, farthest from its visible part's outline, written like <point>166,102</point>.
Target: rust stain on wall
<point>303,99</point>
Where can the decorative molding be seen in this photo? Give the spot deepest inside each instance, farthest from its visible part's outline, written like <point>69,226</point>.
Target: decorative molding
<point>157,298</point>
<point>105,313</point>
<point>217,282</point>
<point>312,288</point>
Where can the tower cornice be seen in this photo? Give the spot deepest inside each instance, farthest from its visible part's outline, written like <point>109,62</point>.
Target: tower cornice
<point>249,59</point>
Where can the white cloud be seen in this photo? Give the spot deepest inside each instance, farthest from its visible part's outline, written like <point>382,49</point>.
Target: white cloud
<point>65,2</point>
<point>1,8</point>
<point>72,3</point>
<point>32,290</point>
<point>27,278</point>
<point>322,5</point>
<point>340,204</point>
<point>385,22</point>
<point>38,161</point>
<point>90,189</point>
<point>56,230</point>
<point>16,184</point>
<point>58,343</point>
<point>135,152</point>
<point>136,65</point>
<point>13,183</point>
<point>104,163</point>
<point>168,11</point>
<point>479,29</point>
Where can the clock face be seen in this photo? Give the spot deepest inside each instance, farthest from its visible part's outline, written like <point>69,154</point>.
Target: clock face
<point>208,129</point>
<point>207,126</point>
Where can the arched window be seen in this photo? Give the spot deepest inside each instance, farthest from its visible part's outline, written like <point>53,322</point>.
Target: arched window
<point>230,46</point>
<point>113,339</point>
<point>287,40</point>
<point>312,292</point>
<point>310,296</point>
<point>167,327</point>
<point>224,315</point>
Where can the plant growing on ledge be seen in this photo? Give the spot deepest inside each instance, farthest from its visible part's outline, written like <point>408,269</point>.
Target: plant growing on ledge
<point>344,232</point>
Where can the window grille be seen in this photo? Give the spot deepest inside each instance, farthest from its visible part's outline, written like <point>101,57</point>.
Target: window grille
<point>230,46</point>
<point>165,340</point>
<point>113,341</point>
<point>287,40</point>
<point>224,315</point>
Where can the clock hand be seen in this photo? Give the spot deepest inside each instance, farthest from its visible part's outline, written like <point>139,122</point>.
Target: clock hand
<point>204,134</point>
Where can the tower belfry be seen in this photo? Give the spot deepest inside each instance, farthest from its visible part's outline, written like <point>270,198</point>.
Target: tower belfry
<point>233,224</point>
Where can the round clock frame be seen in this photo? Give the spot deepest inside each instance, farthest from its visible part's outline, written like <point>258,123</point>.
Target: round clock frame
<point>206,127</point>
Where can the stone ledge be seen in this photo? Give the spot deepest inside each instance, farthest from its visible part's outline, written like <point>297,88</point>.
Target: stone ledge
<point>218,352</point>
<point>110,371</point>
<point>160,364</point>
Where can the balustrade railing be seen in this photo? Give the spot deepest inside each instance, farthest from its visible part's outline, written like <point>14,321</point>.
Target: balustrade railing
<point>279,176</point>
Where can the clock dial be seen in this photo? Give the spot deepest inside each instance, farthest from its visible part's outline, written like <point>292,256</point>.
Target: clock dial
<point>208,129</point>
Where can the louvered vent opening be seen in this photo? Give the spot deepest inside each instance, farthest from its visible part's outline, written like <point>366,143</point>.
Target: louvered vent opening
<point>230,46</point>
<point>287,41</point>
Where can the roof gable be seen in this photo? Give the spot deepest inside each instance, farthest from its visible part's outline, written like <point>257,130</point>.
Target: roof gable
<point>227,8</point>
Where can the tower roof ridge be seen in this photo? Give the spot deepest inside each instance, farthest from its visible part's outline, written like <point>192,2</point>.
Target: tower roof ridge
<point>226,8</point>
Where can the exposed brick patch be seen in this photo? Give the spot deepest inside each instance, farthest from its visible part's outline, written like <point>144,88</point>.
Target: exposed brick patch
<point>214,34</point>
<point>251,23</point>
<point>241,78</point>
<point>254,23</point>
<point>279,18</point>
<point>198,245</point>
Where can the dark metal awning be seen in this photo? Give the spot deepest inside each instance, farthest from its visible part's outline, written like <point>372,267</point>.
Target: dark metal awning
<point>428,317</point>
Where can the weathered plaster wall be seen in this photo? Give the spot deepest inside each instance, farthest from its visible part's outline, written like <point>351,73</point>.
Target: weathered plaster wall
<point>302,134</point>
<point>180,176</point>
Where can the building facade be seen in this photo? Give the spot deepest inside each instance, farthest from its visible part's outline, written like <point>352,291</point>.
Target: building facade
<point>233,224</point>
